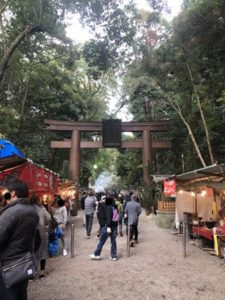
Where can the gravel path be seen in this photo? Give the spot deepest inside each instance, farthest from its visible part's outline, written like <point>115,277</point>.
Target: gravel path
<point>155,270</point>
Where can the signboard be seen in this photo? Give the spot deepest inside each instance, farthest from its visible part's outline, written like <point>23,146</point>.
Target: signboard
<point>169,188</point>
<point>111,133</point>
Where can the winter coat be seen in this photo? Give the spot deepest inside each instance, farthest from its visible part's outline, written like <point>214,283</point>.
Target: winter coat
<point>44,219</point>
<point>18,223</point>
<point>105,215</point>
<point>133,210</point>
<point>89,205</point>
<point>101,213</point>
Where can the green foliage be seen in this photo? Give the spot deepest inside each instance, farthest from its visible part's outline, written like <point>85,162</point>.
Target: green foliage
<point>108,49</point>
<point>148,198</point>
<point>195,38</point>
<point>129,168</point>
<point>65,173</point>
<point>8,122</point>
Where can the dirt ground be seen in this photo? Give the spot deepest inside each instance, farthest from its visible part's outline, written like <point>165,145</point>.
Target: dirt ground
<point>156,269</point>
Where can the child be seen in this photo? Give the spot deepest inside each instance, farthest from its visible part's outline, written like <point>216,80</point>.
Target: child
<point>53,244</point>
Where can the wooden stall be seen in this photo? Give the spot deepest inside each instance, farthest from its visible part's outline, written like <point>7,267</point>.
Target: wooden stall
<point>201,195</point>
<point>40,180</point>
<point>67,191</point>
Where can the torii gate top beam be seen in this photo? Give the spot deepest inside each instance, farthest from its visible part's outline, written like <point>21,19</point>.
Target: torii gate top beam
<point>156,126</point>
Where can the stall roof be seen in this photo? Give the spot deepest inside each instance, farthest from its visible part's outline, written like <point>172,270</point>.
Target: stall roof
<point>38,178</point>
<point>210,174</point>
<point>11,161</point>
<point>160,178</point>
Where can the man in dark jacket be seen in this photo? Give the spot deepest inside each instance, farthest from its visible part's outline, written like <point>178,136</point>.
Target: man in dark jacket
<point>18,223</point>
<point>132,211</point>
<point>107,228</point>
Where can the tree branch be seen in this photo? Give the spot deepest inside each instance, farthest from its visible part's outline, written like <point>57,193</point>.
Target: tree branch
<point>9,52</point>
<point>2,9</point>
<point>201,112</point>
<point>177,108</point>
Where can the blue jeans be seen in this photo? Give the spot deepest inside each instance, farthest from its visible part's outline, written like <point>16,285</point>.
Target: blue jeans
<point>103,238</point>
<point>89,222</point>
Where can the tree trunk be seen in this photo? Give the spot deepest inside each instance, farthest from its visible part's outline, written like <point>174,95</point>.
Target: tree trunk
<point>9,52</point>
<point>24,99</point>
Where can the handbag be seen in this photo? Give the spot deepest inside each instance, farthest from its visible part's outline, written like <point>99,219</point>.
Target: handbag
<point>18,270</point>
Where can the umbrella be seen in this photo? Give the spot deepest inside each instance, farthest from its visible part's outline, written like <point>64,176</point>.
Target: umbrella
<point>9,149</point>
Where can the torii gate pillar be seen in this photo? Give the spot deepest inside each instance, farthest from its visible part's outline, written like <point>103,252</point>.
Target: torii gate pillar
<point>75,156</point>
<point>147,153</point>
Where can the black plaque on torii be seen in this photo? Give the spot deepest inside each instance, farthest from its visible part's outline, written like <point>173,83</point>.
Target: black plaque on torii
<point>111,133</point>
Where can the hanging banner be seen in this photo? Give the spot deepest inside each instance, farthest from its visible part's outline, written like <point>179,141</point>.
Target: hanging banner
<point>169,188</point>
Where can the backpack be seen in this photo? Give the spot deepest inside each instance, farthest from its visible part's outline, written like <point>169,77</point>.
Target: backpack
<point>115,217</point>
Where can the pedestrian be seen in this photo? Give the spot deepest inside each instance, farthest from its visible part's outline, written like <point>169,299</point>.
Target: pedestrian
<point>72,212</point>
<point>98,210</point>
<point>108,228</point>
<point>132,212</point>
<point>44,220</point>
<point>120,207</point>
<point>59,213</point>
<point>82,202</point>
<point>18,224</point>
<point>89,208</point>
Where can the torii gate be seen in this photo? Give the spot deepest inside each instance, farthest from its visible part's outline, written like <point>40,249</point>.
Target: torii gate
<point>146,143</point>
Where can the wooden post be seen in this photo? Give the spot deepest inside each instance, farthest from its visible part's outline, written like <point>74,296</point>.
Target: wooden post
<point>185,221</point>
<point>72,240</point>
<point>128,239</point>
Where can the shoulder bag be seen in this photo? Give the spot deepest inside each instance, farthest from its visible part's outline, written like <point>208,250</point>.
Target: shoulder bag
<point>18,270</point>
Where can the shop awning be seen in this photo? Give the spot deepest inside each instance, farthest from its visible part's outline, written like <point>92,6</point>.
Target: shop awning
<point>213,175</point>
<point>160,178</point>
<point>11,161</point>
